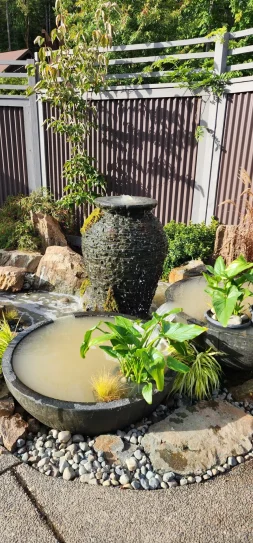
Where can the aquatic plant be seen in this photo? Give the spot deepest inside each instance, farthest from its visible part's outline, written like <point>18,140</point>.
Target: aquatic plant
<point>226,287</point>
<point>135,345</point>
<point>108,387</point>
<point>203,375</point>
<point>11,314</point>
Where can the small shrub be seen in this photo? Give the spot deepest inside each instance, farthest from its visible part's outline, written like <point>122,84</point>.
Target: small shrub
<point>85,284</point>
<point>204,373</point>
<point>94,217</point>
<point>188,242</point>
<point>108,387</point>
<point>11,314</point>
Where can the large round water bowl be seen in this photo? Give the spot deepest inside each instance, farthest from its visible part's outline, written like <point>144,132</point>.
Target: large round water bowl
<point>234,344</point>
<point>44,371</point>
<point>124,253</point>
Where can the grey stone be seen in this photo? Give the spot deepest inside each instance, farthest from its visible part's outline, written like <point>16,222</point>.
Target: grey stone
<point>138,454</point>
<point>232,461</point>
<point>191,479</point>
<point>144,483</point>
<point>150,474</point>
<point>72,448</point>
<point>77,438</point>
<point>198,479</point>
<point>183,481</point>
<point>63,465</point>
<point>136,484</point>
<point>169,476</point>
<point>154,483</point>
<point>20,443</point>
<point>124,479</point>
<point>43,462</point>
<point>64,436</point>
<point>192,438</point>
<point>68,474</point>
<point>58,454</point>
<point>83,446</point>
<point>25,457</point>
<point>49,444</point>
<point>240,459</point>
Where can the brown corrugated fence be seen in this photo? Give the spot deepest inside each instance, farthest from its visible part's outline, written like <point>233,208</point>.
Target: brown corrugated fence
<point>13,166</point>
<point>236,153</point>
<point>144,147</point>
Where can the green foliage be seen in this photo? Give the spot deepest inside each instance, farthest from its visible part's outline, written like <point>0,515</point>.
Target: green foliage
<point>6,335</point>
<point>108,387</point>
<point>66,76</point>
<point>16,227</point>
<point>226,287</point>
<point>188,242</point>
<point>85,284</point>
<point>203,375</point>
<point>136,346</point>
<point>94,217</point>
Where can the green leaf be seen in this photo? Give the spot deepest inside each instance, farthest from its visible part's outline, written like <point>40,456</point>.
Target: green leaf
<point>176,365</point>
<point>147,393</point>
<point>109,350</point>
<point>219,266</point>
<point>224,304</point>
<point>238,266</point>
<point>181,332</point>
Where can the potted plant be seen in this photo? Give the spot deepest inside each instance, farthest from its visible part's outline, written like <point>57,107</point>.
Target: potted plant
<point>228,288</point>
<point>142,348</point>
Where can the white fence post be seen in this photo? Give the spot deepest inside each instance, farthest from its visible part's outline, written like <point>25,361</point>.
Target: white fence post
<point>33,155</point>
<point>209,149</point>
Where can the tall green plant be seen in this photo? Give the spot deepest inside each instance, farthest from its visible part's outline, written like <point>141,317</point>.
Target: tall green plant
<point>226,287</point>
<point>67,75</point>
<point>136,346</point>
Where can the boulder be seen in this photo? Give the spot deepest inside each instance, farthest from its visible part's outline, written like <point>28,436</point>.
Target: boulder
<point>20,259</point>
<point>11,279</point>
<point>12,429</point>
<point>190,269</point>
<point>49,230</point>
<point>60,269</point>
<point>114,448</point>
<point>196,438</point>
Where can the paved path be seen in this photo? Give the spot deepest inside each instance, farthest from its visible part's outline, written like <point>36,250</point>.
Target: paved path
<point>35,508</point>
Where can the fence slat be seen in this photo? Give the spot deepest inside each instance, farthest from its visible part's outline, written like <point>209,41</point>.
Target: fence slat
<point>239,67</point>
<point>141,60</point>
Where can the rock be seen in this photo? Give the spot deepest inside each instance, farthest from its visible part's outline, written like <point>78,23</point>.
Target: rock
<point>144,483</point>
<point>64,436</point>
<point>20,443</point>
<point>124,479</point>
<point>198,479</point>
<point>11,279</point>
<point>172,484</point>
<point>33,425</point>
<point>77,438</point>
<point>12,429</point>
<point>49,230</point>
<point>20,259</point>
<point>84,446</point>
<point>183,482</point>
<point>240,459</point>
<point>7,407</point>
<point>168,476</point>
<point>243,392</point>
<point>60,269</point>
<point>191,269</point>
<point>131,463</point>
<point>138,454</point>
<point>195,438</point>
<point>111,446</point>
<point>154,483</point>
<point>191,480</point>
<point>43,462</point>
<point>136,485</point>
<point>235,320</point>
<point>232,461</point>
<point>159,297</point>
<point>68,474</point>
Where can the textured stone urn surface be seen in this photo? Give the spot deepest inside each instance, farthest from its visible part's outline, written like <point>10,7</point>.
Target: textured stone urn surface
<point>124,253</point>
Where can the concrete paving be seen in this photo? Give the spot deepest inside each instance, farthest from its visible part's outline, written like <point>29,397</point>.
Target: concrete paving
<point>35,508</point>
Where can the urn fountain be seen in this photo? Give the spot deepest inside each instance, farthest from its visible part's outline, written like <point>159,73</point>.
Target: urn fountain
<point>124,253</point>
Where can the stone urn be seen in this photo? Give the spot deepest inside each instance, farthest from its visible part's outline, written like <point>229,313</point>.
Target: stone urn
<point>124,253</point>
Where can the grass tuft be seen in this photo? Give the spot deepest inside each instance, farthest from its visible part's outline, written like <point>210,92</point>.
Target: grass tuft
<point>108,387</point>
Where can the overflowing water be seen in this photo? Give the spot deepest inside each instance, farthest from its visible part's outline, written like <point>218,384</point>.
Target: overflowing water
<point>49,362</point>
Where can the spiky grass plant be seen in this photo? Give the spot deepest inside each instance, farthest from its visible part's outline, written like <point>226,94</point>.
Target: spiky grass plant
<point>203,376</point>
<point>108,387</point>
<point>11,314</point>
<point>6,335</point>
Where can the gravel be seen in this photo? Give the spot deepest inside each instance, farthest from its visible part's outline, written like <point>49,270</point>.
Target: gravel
<point>60,454</point>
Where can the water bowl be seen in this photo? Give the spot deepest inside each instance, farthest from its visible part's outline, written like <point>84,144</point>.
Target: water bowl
<point>45,373</point>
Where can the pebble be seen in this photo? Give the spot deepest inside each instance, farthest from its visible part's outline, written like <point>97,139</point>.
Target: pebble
<point>136,485</point>
<point>240,459</point>
<point>72,448</point>
<point>63,465</point>
<point>215,472</point>
<point>68,474</point>
<point>183,481</point>
<point>138,454</point>
<point>20,443</point>
<point>172,484</point>
<point>169,476</point>
<point>43,462</point>
<point>49,444</point>
<point>144,483</point>
<point>124,479</point>
<point>83,446</point>
<point>106,483</point>
<point>198,479</point>
<point>58,454</point>
<point>131,463</point>
<point>232,461</point>
<point>25,457</point>
<point>133,440</point>
<point>76,438</point>
<point>191,479</point>
<point>150,474</point>
<point>226,466</point>
<point>154,483</point>
<point>64,436</point>
<point>164,485</point>
<point>206,477</point>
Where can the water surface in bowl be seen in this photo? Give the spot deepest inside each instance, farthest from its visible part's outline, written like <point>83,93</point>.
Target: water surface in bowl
<point>49,362</point>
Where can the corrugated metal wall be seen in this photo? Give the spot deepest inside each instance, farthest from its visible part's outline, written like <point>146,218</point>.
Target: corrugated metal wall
<point>13,168</point>
<point>236,153</point>
<point>144,147</point>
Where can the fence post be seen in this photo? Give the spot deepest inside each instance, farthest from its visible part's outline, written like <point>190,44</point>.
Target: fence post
<point>31,124</point>
<point>209,149</point>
